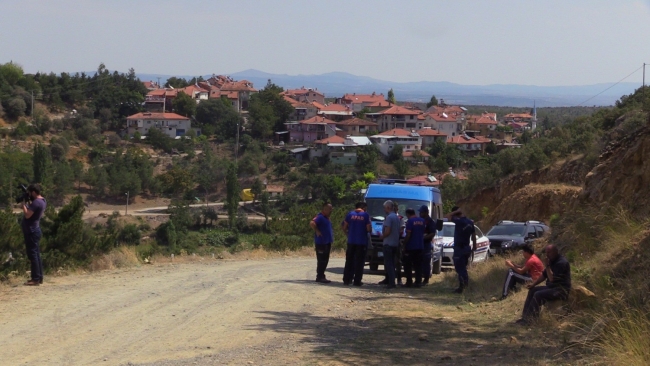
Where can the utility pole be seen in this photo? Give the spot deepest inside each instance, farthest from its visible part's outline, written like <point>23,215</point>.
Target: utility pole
<point>237,144</point>
<point>126,212</point>
<point>644,81</point>
<point>33,105</point>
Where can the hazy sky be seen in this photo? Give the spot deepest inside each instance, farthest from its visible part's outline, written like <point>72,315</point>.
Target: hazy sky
<point>550,42</point>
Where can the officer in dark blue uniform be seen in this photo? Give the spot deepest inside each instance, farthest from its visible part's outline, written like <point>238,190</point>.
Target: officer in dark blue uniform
<point>323,239</point>
<point>463,232</point>
<point>356,226</point>
<point>429,234</point>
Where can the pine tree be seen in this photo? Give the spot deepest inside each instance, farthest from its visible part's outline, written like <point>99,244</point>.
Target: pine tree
<point>42,162</point>
<point>391,96</point>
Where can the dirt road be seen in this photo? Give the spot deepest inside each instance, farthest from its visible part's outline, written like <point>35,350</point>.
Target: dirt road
<point>266,312</point>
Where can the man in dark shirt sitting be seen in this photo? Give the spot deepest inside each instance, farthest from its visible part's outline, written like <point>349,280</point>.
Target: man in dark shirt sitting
<point>558,284</point>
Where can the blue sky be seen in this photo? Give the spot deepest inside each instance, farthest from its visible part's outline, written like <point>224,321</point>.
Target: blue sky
<point>549,42</point>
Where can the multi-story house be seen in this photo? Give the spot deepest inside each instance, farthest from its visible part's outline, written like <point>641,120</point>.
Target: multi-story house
<point>447,124</point>
<point>356,102</point>
<point>310,130</point>
<point>171,124</point>
<point>430,136</point>
<point>486,124</point>
<point>355,127</point>
<point>306,95</point>
<point>518,117</point>
<point>339,150</point>
<point>301,110</point>
<point>335,112</point>
<point>471,145</point>
<point>395,117</point>
<point>387,140</point>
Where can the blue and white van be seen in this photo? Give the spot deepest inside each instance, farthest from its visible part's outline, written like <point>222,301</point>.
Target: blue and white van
<point>406,196</point>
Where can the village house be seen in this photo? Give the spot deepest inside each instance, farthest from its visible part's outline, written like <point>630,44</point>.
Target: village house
<point>485,124</point>
<point>302,110</point>
<point>310,130</point>
<point>335,112</point>
<point>171,124</point>
<point>470,145</point>
<point>237,92</point>
<point>430,136</point>
<point>518,127</point>
<point>416,156</point>
<point>518,117</point>
<point>395,117</point>
<point>305,95</point>
<point>442,122</point>
<point>379,106</point>
<point>386,141</point>
<point>357,102</point>
<point>339,150</point>
<point>355,127</point>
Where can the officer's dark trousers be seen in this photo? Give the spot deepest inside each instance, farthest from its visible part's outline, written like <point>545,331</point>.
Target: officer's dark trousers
<point>538,296</point>
<point>32,239</point>
<point>322,259</point>
<point>427,253</point>
<point>512,279</point>
<point>355,259</point>
<point>461,261</point>
<point>412,261</point>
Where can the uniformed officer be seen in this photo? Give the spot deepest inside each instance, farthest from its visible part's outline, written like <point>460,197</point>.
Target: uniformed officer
<point>463,232</point>
<point>356,226</point>
<point>412,258</point>
<point>323,239</point>
<point>429,234</point>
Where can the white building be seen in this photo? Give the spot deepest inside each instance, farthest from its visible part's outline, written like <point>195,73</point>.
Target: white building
<point>386,141</point>
<point>171,124</point>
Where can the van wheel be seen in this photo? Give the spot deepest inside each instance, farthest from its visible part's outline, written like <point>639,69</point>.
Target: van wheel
<point>374,266</point>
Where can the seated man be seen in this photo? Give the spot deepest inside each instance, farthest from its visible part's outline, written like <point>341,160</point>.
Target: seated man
<point>558,284</point>
<point>530,271</point>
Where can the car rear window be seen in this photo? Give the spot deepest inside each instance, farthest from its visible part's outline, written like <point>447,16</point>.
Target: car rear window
<point>509,230</point>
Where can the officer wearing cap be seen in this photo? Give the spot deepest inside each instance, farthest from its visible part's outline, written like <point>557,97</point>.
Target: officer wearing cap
<point>429,234</point>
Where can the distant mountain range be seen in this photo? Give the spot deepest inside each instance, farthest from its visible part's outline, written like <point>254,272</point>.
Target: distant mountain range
<point>335,84</point>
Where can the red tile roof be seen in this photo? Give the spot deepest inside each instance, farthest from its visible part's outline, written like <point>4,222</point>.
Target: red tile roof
<point>448,109</point>
<point>441,117</point>
<point>518,115</point>
<point>408,154</point>
<point>331,140</point>
<point>430,132</point>
<point>147,115</point>
<point>157,93</point>
<point>397,110</point>
<point>396,132</point>
<point>381,103</point>
<point>335,108</point>
<point>363,98</point>
<point>318,105</point>
<point>242,85</point>
<point>296,104</point>
<point>519,124</point>
<point>466,140</point>
<point>302,91</point>
<point>356,122</point>
<point>485,118</point>
<point>317,120</point>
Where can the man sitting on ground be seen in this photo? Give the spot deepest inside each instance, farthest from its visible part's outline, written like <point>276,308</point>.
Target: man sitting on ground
<point>558,284</point>
<point>530,271</point>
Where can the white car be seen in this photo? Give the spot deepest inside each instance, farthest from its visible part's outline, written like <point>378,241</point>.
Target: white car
<point>481,254</point>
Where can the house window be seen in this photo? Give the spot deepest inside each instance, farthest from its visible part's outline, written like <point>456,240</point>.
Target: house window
<point>411,117</point>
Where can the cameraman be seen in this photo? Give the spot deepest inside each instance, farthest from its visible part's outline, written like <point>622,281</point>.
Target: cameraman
<point>32,232</point>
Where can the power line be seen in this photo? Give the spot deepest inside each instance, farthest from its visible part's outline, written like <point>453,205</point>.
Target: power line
<point>611,86</point>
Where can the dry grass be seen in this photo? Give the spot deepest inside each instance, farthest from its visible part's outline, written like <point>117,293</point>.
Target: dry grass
<point>625,340</point>
<point>118,258</point>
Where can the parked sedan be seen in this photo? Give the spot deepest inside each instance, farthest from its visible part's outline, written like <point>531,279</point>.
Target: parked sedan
<point>481,254</point>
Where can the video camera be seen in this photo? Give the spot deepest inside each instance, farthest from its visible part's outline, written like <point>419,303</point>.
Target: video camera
<point>24,196</point>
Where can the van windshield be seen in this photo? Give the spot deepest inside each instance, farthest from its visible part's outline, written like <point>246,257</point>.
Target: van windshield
<point>376,207</point>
